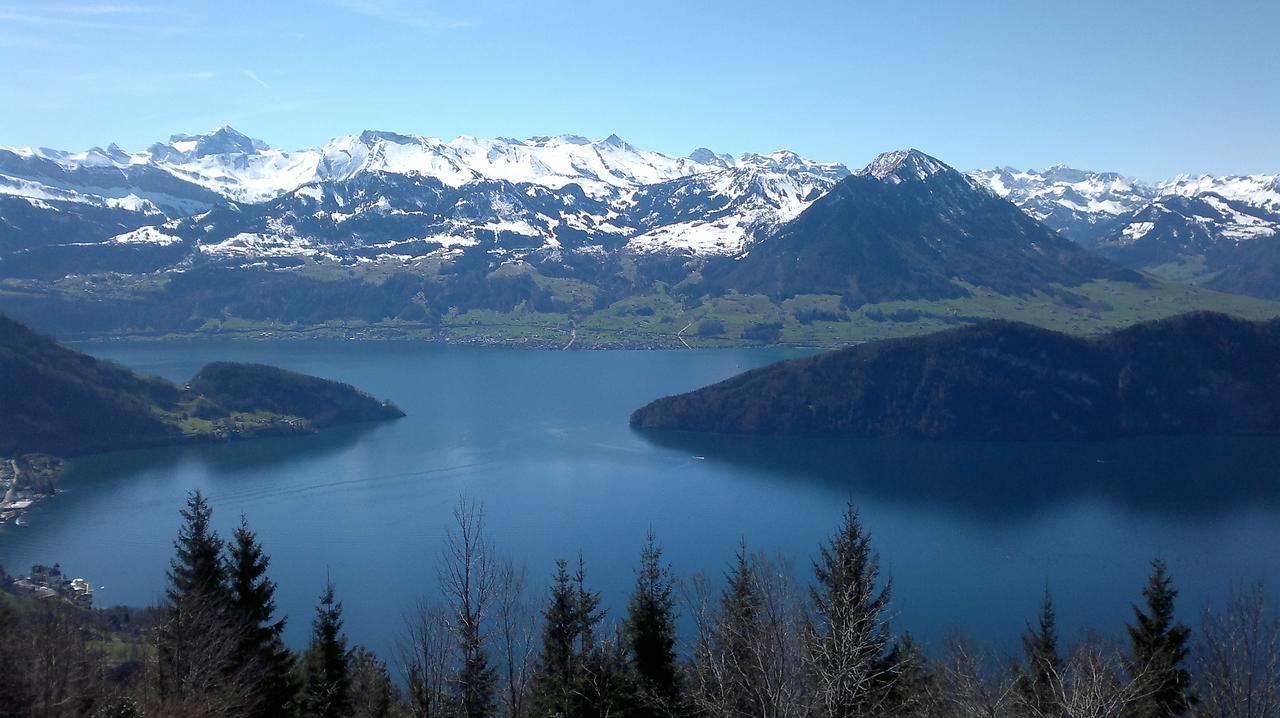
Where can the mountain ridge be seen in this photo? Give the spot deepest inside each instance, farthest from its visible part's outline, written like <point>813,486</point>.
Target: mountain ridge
<point>909,225</point>
<point>423,236</point>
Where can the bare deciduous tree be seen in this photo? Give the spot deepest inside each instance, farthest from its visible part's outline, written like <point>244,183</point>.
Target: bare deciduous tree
<point>970,685</point>
<point>427,654</point>
<point>517,636</point>
<point>201,671</point>
<point>1096,682</point>
<point>749,649</point>
<point>469,580</point>
<point>51,662</point>
<point>1237,663</point>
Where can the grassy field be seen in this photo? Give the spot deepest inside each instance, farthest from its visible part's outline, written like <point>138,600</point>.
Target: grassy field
<point>658,319</point>
<point>820,320</point>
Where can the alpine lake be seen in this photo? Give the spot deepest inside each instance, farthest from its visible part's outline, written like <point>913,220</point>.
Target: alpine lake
<point>970,532</point>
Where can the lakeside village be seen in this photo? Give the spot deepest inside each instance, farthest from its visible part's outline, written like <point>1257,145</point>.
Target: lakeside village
<point>23,482</point>
<point>49,583</point>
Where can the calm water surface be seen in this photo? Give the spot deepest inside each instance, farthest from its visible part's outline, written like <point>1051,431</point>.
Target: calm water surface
<point>971,532</point>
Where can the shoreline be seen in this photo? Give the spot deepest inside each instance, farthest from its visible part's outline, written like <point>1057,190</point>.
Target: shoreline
<point>25,481</point>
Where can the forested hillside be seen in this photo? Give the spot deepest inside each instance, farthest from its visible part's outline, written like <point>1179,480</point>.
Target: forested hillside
<point>63,402</point>
<point>1192,374</point>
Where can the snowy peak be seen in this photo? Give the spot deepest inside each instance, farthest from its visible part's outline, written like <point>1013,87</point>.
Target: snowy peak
<point>786,161</point>
<point>704,156</point>
<point>600,167</point>
<point>900,166</point>
<point>1062,174</point>
<point>1078,203</point>
<point>225,140</point>
<point>1257,190</point>
<point>722,211</point>
<point>1059,180</point>
<point>1086,205</point>
<point>245,169</point>
<point>1185,222</point>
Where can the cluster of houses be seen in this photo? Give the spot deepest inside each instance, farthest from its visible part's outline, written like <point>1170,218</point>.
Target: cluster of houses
<point>20,488</point>
<point>13,510</point>
<point>48,582</point>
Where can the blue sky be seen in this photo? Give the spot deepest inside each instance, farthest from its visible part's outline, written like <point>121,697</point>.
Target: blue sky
<point>1150,89</point>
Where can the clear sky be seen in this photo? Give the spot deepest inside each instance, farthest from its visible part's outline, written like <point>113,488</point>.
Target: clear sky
<point>1147,88</point>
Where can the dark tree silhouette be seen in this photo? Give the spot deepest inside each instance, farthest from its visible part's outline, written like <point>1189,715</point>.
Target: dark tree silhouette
<point>650,634</point>
<point>848,636</point>
<point>253,598</point>
<point>326,689</point>
<point>1039,679</point>
<point>1159,643</point>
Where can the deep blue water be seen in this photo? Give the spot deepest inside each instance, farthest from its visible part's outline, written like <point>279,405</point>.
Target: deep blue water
<point>970,532</point>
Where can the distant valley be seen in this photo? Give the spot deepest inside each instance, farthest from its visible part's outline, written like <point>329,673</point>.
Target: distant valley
<point>569,242</point>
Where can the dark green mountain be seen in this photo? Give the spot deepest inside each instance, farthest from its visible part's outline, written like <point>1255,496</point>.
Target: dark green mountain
<point>258,387</point>
<point>59,401</point>
<point>910,227</point>
<point>1256,271</point>
<point>1198,373</point>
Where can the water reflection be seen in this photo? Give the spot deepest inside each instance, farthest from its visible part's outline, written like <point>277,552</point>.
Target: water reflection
<point>1193,477</point>
<point>256,456</point>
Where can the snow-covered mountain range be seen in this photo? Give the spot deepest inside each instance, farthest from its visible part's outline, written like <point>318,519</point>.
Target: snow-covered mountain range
<point>560,190</point>
<point>1099,207</point>
<point>1077,203</point>
<point>215,230</point>
<point>384,197</point>
<point>244,169</point>
<point>1192,228</point>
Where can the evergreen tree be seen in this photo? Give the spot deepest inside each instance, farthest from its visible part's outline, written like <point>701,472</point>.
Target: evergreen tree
<point>1159,645</point>
<point>727,672</point>
<point>650,633</point>
<point>253,599</point>
<point>605,686</point>
<point>198,568</point>
<point>568,662</point>
<point>848,637</point>
<point>477,679</point>
<point>588,610</point>
<point>907,682</point>
<point>327,684</point>
<point>14,690</point>
<point>557,667</point>
<point>1039,678</point>
<point>373,695</point>
<point>198,636</point>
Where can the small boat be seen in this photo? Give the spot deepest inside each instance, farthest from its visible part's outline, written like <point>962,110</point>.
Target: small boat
<point>20,521</point>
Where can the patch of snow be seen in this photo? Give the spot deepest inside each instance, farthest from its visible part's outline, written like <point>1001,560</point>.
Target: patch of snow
<point>145,235</point>
<point>248,244</point>
<point>1255,190</point>
<point>1137,230</point>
